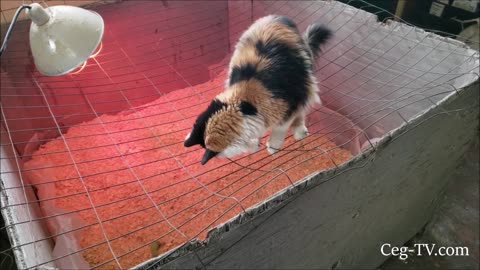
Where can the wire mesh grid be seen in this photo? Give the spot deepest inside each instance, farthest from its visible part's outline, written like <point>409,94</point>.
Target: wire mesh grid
<point>103,147</point>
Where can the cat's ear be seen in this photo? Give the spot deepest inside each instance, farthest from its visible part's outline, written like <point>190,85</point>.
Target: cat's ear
<point>192,140</point>
<point>196,136</point>
<point>207,156</point>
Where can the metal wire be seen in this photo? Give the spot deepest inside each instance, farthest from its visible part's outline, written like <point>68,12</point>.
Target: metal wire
<point>249,174</point>
<point>389,66</point>
<point>10,28</point>
<point>84,185</point>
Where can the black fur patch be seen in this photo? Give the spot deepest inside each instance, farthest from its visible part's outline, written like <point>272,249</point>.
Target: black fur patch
<point>197,134</point>
<point>317,35</point>
<point>287,21</point>
<point>247,108</point>
<point>242,73</point>
<point>287,78</point>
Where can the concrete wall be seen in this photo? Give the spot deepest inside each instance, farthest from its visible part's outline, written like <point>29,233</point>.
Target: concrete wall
<point>455,222</point>
<point>39,245</point>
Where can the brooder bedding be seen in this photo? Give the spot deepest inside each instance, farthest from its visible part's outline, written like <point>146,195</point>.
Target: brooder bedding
<point>131,172</point>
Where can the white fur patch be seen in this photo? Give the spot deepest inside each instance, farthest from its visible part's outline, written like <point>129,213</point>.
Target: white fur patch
<point>300,132</point>
<point>275,141</point>
<point>252,130</point>
<point>316,99</point>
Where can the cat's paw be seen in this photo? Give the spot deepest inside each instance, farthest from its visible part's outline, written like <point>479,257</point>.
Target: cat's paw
<point>300,132</point>
<point>273,148</point>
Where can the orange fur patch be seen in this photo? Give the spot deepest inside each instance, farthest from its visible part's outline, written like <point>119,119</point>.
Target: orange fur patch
<point>246,53</point>
<point>278,31</point>
<point>222,129</point>
<point>272,109</point>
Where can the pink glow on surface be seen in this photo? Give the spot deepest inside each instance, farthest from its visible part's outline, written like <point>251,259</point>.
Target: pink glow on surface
<point>97,51</point>
<point>78,70</point>
<point>82,67</point>
<point>138,60</point>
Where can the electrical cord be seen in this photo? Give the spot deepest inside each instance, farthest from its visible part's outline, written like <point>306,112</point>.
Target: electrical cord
<point>12,24</point>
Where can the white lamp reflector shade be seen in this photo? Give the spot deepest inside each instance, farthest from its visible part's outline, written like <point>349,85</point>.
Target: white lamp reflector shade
<point>63,37</point>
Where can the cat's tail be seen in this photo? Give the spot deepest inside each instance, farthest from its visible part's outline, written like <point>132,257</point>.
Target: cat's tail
<point>316,35</point>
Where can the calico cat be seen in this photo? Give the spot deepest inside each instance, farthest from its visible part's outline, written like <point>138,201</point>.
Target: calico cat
<point>270,85</point>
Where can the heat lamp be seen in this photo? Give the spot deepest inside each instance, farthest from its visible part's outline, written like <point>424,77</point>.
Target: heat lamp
<point>62,38</point>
